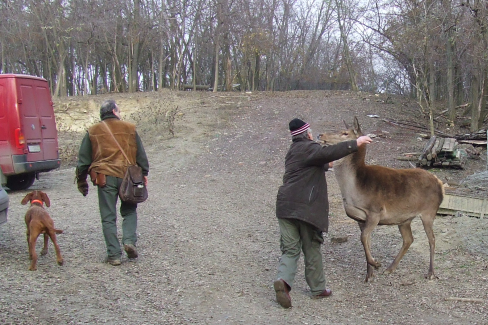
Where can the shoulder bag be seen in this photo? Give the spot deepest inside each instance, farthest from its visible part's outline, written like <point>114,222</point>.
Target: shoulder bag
<point>132,190</point>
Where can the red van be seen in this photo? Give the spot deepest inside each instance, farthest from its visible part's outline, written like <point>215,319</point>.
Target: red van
<point>28,135</point>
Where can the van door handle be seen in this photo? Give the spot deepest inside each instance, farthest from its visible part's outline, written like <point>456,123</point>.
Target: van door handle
<point>43,127</point>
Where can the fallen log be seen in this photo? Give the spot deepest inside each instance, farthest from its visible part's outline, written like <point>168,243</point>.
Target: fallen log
<point>480,135</point>
<point>413,126</point>
<point>476,300</point>
<point>474,142</point>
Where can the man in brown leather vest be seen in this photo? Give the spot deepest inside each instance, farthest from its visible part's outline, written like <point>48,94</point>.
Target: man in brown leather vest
<point>101,157</point>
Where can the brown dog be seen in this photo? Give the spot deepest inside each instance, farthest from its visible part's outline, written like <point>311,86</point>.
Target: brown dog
<point>39,222</point>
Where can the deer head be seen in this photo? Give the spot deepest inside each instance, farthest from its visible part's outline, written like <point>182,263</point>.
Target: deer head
<point>350,133</point>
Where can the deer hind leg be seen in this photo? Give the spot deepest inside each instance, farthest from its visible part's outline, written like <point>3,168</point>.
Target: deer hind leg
<point>428,222</point>
<point>59,258</point>
<point>366,229</point>
<point>406,232</point>
<point>44,249</point>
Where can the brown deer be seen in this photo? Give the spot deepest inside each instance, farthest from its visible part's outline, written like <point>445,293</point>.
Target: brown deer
<point>376,195</point>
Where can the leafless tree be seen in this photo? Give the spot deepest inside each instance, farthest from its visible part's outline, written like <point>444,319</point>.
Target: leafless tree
<point>432,50</point>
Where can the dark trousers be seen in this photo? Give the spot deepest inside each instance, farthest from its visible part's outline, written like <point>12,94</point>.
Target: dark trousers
<point>107,202</point>
<point>297,236</point>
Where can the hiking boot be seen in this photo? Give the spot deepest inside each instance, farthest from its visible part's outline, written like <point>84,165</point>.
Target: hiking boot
<point>282,293</point>
<point>323,294</point>
<point>114,262</point>
<point>130,250</point>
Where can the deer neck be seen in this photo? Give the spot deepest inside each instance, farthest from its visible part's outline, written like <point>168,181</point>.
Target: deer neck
<point>346,170</point>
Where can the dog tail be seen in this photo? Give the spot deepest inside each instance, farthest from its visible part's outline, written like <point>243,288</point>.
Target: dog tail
<point>58,231</point>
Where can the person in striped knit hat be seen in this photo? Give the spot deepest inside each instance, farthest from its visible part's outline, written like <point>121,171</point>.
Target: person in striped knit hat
<point>302,209</point>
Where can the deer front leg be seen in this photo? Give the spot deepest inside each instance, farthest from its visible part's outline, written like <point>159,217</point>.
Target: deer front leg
<point>406,232</point>
<point>44,249</point>
<point>369,272</point>
<point>366,229</point>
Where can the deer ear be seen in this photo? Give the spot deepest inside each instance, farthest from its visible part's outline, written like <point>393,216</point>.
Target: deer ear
<point>26,199</point>
<point>357,127</point>
<point>45,198</point>
<point>347,126</point>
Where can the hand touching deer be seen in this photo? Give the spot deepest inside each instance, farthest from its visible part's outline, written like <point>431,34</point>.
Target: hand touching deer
<point>376,195</point>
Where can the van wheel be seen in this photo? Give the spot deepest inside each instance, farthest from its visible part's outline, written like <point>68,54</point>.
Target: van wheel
<point>21,181</point>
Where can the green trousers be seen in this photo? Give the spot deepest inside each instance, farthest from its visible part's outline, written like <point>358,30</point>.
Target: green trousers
<point>297,236</point>
<point>107,202</point>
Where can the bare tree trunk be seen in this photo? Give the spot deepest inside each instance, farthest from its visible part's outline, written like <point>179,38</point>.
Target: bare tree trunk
<point>432,88</point>
<point>153,71</point>
<point>161,62</point>
<point>133,67</point>
<point>347,56</point>
<point>459,93</point>
<point>61,89</point>
<point>178,67</point>
<point>194,69</point>
<point>94,83</point>
<point>217,46</point>
<point>216,62</point>
<point>482,106</point>
<point>475,106</point>
<point>86,80</point>
<point>227,64</point>
<point>135,49</point>
<point>118,80</point>
<point>450,79</point>
<point>228,74</point>
<point>257,67</point>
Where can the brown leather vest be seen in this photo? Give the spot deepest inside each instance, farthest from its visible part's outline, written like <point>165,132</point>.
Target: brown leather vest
<point>107,158</point>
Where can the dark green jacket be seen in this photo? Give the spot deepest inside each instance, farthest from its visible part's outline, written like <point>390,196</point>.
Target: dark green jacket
<point>85,154</point>
<point>303,195</point>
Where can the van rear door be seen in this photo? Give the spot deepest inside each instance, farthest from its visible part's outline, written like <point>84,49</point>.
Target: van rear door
<point>37,119</point>
<point>5,152</point>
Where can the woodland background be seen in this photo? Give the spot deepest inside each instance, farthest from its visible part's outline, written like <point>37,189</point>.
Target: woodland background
<point>433,50</point>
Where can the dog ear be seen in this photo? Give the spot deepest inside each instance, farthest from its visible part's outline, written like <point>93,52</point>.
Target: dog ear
<point>26,199</point>
<point>45,198</point>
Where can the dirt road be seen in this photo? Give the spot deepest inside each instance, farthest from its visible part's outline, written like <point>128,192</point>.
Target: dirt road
<point>208,237</point>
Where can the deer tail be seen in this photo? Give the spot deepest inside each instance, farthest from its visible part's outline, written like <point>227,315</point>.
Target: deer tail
<point>443,190</point>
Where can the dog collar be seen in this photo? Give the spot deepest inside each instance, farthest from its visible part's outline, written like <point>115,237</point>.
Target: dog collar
<point>36,201</point>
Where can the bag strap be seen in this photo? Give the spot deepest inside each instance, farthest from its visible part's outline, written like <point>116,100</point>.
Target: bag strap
<point>117,142</point>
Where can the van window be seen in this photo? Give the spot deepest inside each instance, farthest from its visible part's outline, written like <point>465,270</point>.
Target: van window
<point>28,103</point>
<point>42,95</point>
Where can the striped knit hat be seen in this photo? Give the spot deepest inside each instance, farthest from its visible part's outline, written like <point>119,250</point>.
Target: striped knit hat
<point>297,126</point>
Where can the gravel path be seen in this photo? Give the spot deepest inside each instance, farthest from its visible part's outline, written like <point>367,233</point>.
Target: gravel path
<point>209,240</point>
